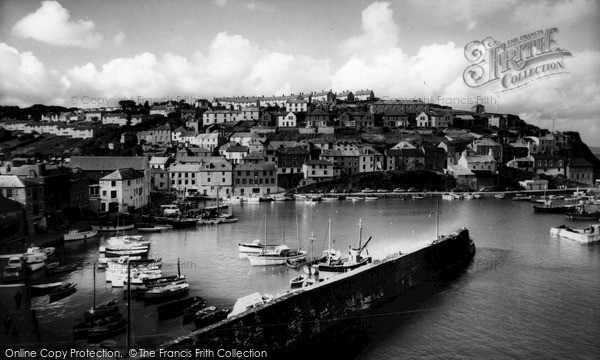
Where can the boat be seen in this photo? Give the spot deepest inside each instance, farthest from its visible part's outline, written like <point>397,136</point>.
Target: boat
<point>210,317</point>
<point>469,196</point>
<point>282,197</point>
<point>295,264</point>
<point>476,196</point>
<point>35,258</point>
<point>103,332</point>
<point>51,266</point>
<point>44,289</point>
<point>81,330</point>
<point>62,268</point>
<point>126,251</point>
<point>277,256</point>
<point>308,282</point>
<point>166,292</point>
<point>548,207</point>
<point>73,235</point>
<point>447,196</point>
<point>151,228</point>
<point>330,198</point>
<point>190,311</point>
<point>584,212</point>
<point>62,291</point>
<point>313,199</point>
<point>417,197</point>
<point>353,294</point>
<point>371,198</point>
<point>343,265</point>
<point>457,196</point>
<point>355,198</point>
<point>522,197</point>
<point>178,307</point>
<point>112,226</point>
<point>105,309</point>
<point>585,236</point>
<point>297,281</point>
<point>500,196</point>
<point>234,200</point>
<point>257,198</point>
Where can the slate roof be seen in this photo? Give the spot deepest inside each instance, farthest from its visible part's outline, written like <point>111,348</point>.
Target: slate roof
<point>105,163</point>
<point>124,174</point>
<point>579,162</point>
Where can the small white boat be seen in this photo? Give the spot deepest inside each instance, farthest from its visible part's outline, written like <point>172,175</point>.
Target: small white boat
<point>278,256</point>
<point>500,196</point>
<point>447,196</point>
<point>155,228</point>
<point>80,235</point>
<point>297,281</point>
<point>417,197</point>
<point>457,196</point>
<point>469,197</point>
<point>234,200</point>
<point>308,283</point>
<point>112,227</point>
<point>355,198</point>
<point>253,247</point>
<point>246,303</point>
<point>585,236</point>
<point>477,196</point>
<point>35,258</point>
<point>371,198</point>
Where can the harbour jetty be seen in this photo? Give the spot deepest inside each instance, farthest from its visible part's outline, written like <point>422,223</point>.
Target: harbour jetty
<point>311,314</point>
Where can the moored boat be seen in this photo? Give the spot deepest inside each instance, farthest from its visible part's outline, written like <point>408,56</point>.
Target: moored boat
<point>35,258</point>
<point>79,235</point>
<point>585,236</point>
<point>166,292</point>
<point>107,331</point>
<point>62,268</point>
<point>178,307</point>
<point>44,289</point>
<point>548,207</point>
<point>81,330</point>
<point>297,281</point>
<point>278,256</point>
<point>210,317</point>
<point>112,226</point>
<point>62,291</point>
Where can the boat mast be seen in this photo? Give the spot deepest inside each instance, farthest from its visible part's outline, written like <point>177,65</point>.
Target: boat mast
<point>359,233</point>
<point>178,269</point>
<point>312,251</point>
<point>94,300</point>
<point>128,338</point>
<point>329,235</point>
<point>437,219</point>
<point>297,233</point>
<point>266,242</point>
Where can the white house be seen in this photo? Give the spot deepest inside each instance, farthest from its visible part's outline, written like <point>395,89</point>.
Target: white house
<point>296,105</point>
<point>115,118</point>
<point>220,116</point>
<point>289,120</point>
<point>122,190</point>
<point>317,170</point>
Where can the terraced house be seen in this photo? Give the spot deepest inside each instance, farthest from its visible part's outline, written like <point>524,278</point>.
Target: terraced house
<point>252,179</point>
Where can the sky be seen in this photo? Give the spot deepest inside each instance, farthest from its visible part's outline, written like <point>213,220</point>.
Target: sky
<point>89,53</point>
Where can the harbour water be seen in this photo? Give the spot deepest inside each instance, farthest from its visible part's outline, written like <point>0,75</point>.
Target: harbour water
<point>526,293</point>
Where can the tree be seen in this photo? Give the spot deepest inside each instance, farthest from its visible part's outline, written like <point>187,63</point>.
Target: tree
<point>127,104</point>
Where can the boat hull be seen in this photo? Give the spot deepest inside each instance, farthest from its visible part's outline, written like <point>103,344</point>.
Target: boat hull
<point>584,236</point>
<point>80,235</point>
<point>309,315</point>
<point>115,228</point>
<point>260,260</point>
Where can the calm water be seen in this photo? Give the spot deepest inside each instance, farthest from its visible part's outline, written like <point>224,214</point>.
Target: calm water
<point>526,294</point>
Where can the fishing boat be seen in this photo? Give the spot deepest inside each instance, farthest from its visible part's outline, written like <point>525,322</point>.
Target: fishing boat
<point>209,316</point>
<point>178,307</point>
<point>110,330</point>
<point>522,197</point>
<point>584,212</point>
<point>548,207</point>
<point>44,289</point>
<point>126,251</point>
<point>297,281</point>
<point>62,291</point>
<point>152,228</point>
<point>252,247</point>
<point>35,258</point>
<point>110,226</point>
<point>190,311</point>
<point>585,236</point>
<point>166,292</point>
<point>81,330</point>
<point>354,260</point>
<point>62,268</point>
<point>355,198</point>
<point>277,256</point>
<point>73,235</point>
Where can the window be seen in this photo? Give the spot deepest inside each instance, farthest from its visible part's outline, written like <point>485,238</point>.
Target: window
<point>207,179</point>
<point>103,192</point>
<point>128,182</point>
<point>9,193</point>
<point>113,183</point>
<point>113,194</point>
